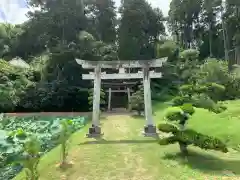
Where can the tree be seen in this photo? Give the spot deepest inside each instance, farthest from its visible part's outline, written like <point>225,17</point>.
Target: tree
<point>137,100</point>
<point>140,26</point>
<point>31,157</point>
<point>62,20</point>
<point>202,96</point>
<point>8,39</point>
<point>183,17</point>
<point>195,25</point>
<point>101,16</point>
<point>211,9</point>
<point>183,136</point>
<point>102,98</point>
<point>64,136</point>
<point>230,26</point>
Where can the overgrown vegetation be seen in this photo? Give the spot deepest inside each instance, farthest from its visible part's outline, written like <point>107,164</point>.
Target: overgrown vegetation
<point>53,82</point>
<point>18,143</point>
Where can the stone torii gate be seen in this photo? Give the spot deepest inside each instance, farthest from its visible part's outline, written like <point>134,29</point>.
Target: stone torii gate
<point>145,74</point>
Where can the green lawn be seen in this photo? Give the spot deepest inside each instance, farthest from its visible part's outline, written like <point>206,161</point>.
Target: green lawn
<point>124,153</point>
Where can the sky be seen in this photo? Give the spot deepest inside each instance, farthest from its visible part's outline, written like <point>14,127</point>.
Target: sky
<point>14,11</point>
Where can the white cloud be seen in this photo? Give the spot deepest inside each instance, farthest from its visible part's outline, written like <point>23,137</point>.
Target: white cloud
<point>15,10</point>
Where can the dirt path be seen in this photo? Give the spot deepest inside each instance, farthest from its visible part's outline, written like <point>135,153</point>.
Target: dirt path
<point>111,159</point>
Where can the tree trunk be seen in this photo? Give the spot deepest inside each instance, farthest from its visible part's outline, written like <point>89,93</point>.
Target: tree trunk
<point>210,39</point>
<point>225,38</point>
<point>237,54</point>
<point>226,51</point>
<point>177,37</point>
<point>183,148</point>
<point>237,48</point>
<point>63,163</point>
<point>182,145</point>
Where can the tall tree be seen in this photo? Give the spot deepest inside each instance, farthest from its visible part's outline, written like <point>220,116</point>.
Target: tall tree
<point>140,26</point>
<point>183,17</point>
<point>225,34</point>
<point>233,26</point>
<point>196,25</point>
<point>101,16</point>
<point>62,20</point>
<point>211,8</point>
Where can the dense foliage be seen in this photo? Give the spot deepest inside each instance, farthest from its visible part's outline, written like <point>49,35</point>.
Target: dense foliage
<point>102,99</point>
<point>16,132</point>
<point>60,31</point>
<point>137,100</point>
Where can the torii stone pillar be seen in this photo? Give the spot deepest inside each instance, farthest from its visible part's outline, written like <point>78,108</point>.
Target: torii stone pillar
<point>109,99</point>
<point>129,99</point>
<point>96,130</point>
<point>150,129</point>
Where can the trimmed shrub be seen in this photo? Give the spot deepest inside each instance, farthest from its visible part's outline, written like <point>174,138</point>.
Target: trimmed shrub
<point>168,140</point>
<point>190,137</point>
<point>168,128</point>
<point>216,71</point>
<point>203,101</point>
<point>179,113</point>
<point>218,108</point>
<point>180,100</point>
<point>200,140</point>
<point>201,95</point>
<point>174,114</point>
<point>187,89</point>
<point>189,54</point>
<point>185,137</point>
<point>188,109</point>
<point>215,91</point>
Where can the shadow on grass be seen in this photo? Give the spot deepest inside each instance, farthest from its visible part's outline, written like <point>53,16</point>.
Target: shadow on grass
<point>103,141</point>
<point>207,163</point>
<point>65,167</point>
<point>137,116</point>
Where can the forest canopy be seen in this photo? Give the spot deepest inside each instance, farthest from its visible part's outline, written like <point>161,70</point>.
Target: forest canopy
<point>198,37</point>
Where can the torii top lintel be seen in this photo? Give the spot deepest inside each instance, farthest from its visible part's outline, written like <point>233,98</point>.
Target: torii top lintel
<point>86,64</point>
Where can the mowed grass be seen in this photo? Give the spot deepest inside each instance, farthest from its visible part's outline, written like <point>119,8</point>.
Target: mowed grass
<point>123,153</point>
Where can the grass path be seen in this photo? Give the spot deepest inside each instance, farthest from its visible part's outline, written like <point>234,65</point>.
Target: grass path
<point>124,154</point>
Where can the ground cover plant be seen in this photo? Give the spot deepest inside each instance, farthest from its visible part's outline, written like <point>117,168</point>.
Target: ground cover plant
<point>16,131</point>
